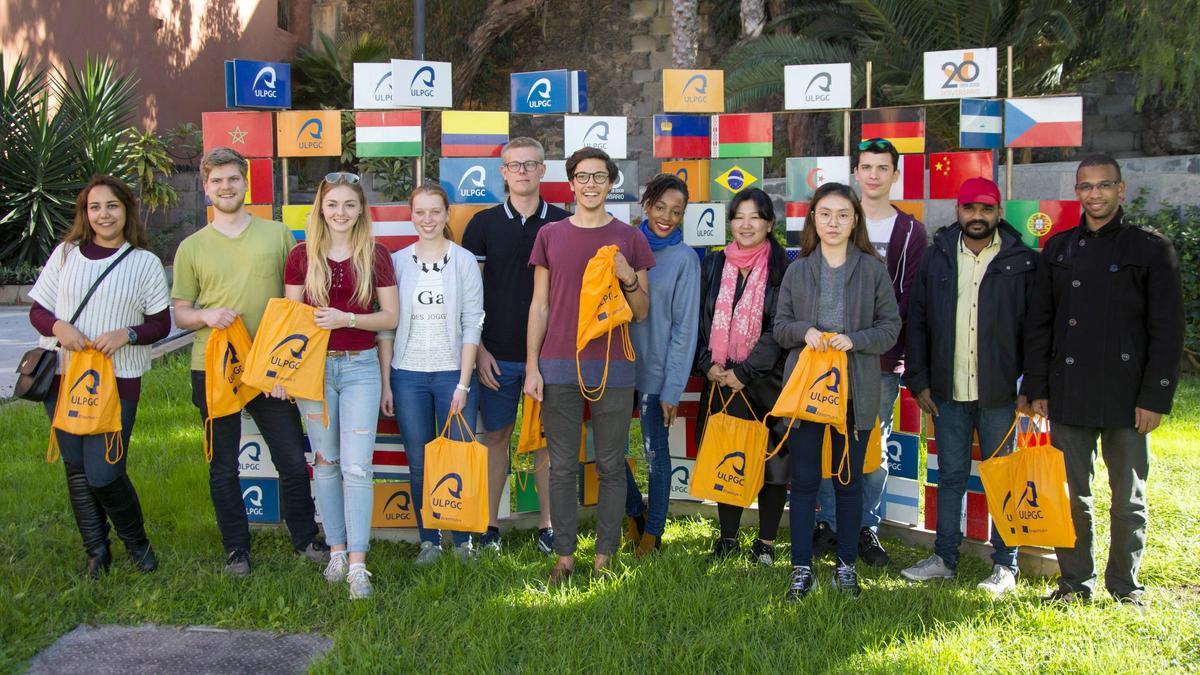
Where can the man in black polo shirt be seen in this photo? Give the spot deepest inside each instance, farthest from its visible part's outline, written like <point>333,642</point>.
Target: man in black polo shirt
<point>502,240</point>
<point>1104,340</point>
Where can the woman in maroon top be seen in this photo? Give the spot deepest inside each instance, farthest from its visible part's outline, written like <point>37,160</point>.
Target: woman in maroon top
<point>125,316</point>
<point>340,270</point>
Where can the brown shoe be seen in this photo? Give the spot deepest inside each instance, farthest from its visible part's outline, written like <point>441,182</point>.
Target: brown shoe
<point>635,526</point>
<point>559,576</point>
<point>647,545</point>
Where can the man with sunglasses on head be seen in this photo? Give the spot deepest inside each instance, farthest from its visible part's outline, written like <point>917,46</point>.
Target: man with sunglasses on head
<point>502,240</point>
<point>900,240</point>
<point>1105,338</point>
<point>227,269</point>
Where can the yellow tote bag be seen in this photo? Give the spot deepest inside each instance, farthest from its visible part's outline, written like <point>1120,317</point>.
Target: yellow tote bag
<point>602,309</point>
<point>732,457</point>
<point>88,403</point>
<point>288,350</point>
<point>224,362</point>
<point>533,435</point>
<point>456,486</point>
<point>1027,494</point>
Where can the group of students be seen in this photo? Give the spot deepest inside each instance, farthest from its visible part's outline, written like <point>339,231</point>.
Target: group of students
<point>437,330</point>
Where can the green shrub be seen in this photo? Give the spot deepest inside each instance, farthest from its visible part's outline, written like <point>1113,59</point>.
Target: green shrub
<point>18,275</point>
<point>1182,226</point>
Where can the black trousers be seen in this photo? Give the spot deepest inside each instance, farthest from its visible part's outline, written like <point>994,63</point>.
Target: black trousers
<point>279,422</point>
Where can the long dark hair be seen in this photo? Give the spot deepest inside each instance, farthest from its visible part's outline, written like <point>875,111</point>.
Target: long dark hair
<point>809,240</point>
<point>81,229</point>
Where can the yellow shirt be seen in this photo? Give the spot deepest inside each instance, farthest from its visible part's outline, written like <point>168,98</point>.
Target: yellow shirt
<point>971,269</point>
<point>241,273</point>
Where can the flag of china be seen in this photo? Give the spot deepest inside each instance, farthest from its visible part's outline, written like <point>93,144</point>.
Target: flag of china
<point>250,133</point>
<point>948,170</point>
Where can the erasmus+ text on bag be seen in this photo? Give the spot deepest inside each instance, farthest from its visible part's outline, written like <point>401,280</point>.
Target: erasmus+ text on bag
<point>88,403</point>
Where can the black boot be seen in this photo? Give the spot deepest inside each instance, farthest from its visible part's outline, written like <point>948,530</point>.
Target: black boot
<point>89,518</point>
<point>121,501</point>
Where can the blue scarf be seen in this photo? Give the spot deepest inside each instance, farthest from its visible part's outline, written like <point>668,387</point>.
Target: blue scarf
<point>656,242</point>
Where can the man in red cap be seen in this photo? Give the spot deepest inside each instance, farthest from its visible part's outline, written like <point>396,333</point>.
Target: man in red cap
<point>964,357</point>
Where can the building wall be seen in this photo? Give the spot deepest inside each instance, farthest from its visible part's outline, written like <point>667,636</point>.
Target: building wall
<point>176,47</point>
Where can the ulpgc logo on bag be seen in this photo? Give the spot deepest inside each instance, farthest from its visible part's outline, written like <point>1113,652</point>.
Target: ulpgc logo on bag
<point>288,354</point>
<point>731,470</point>
<point>85,392</point>
<point>1025,510</point>
<point>832,382</point>
<point>232,367</point>
<point>446,499</point>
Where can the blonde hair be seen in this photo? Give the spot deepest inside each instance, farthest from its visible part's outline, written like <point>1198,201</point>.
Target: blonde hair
<point>435,189</point>
<point>362,246</point>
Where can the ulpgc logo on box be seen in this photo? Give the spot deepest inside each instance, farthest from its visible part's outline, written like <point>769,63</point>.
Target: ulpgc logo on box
<point>261,499</point>
<point>257,84</point>
<point>681,478</point>
<point>392,506</point>
<point>704,225</point>
<point>254,459</point>
<point>421,84</point>
<point>472,180</point>
<point>549,91</point>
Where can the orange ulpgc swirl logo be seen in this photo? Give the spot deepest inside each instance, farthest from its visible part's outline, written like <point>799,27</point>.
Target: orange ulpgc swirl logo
<point>450,503</point>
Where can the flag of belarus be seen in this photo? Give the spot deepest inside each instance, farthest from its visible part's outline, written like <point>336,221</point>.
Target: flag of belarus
<point>742,135</point>
<point>1037,221</point>
<point>388,134</point>
<point>806,174</point>
<point>948,170</point>
<point>391,225</point>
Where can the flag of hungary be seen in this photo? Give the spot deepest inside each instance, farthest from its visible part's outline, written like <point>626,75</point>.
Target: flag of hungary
<point>395,133</point>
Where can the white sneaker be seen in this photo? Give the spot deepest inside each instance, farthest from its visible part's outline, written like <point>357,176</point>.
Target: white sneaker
<point>466,553</point>
<point>1002,581</point>
<point>928,569</point>
<point>360,583</point>
<point>335,571</point>
<point>428,555</point>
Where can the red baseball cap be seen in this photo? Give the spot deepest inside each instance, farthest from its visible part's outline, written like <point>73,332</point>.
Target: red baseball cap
<point>978,191</point>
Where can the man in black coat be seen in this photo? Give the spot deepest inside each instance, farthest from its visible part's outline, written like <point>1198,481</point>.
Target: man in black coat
<point>1104,342</point>
<point>965,354</point>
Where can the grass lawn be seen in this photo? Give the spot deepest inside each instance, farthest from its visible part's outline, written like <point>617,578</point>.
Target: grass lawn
<point>672,613</point>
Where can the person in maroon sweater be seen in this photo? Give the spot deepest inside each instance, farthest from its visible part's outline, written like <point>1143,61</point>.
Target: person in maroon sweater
<point>127,313</point>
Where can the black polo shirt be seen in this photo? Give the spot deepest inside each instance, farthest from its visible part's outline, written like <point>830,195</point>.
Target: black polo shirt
<point>502,240</point>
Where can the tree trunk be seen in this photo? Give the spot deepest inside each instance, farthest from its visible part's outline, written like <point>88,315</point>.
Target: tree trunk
<point>685,33</point>
<point>754,18</point>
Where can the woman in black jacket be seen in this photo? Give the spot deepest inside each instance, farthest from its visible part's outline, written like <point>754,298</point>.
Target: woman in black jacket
<point>759,374</point>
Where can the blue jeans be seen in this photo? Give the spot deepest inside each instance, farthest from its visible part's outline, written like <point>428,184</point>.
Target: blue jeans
<point>658,462</point>
<point>872,483</point>
<point>805,447</point>
<point>956,422</point>
<point>345,486</point>
<point>422,402</point>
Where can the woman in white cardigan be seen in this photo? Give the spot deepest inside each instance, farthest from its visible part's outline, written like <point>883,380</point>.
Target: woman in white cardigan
<point>432,354</point>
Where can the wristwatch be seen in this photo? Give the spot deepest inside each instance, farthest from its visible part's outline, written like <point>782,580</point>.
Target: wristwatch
<point>353,320</point>
<point>132,335</point>
<point>462,387</point>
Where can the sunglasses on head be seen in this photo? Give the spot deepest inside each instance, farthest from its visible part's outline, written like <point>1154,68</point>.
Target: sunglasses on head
<point>342,177</point>
<point>875,145</point>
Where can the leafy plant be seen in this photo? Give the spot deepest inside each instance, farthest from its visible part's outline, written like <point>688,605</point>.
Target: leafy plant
<point>20,275</point>
<point>100,102</point>
<point>185,142</point>
<point>323,76</point>
<point>150,163</point>
<point>1182,226</point>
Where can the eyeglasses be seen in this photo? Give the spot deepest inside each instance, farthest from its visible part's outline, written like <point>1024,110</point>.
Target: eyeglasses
<point>599,177</point>
<point>1103,186</point>
<point>843,218</point>
<point>516,167</point>
<point>342,177</point>
<point>875,145</point>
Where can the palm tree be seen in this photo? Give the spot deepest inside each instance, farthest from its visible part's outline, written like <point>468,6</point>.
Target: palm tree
<point>894,34</point>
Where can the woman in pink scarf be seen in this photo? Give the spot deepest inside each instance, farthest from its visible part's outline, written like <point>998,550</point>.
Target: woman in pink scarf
<point>738,289</point>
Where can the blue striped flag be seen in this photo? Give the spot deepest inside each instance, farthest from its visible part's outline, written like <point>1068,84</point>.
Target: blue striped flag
<point>980,123</point>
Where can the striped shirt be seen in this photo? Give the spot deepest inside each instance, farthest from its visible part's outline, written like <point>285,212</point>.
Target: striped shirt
<point>135,288</point>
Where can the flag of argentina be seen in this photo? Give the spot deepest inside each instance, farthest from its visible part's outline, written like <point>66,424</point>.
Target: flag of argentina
<point>980,123</point>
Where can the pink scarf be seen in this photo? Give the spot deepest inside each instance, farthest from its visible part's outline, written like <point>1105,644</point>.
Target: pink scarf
<point>735,331</point>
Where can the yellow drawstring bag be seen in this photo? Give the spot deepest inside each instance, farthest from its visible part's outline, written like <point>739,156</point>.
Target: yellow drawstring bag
<point>289,350</point>
<point>88,403</point>
<point>1027,493</point>
<point>817,390</point>
<point>224,362</point>
<point>602,309</point>
<point>456,485</point>
<point>872,460</point>
<point>732,457</point>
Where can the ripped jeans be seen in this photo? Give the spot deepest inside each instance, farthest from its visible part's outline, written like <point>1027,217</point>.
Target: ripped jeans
<point>345,484</point>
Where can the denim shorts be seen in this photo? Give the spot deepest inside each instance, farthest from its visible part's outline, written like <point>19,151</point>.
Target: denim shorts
<point>498,409</point>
